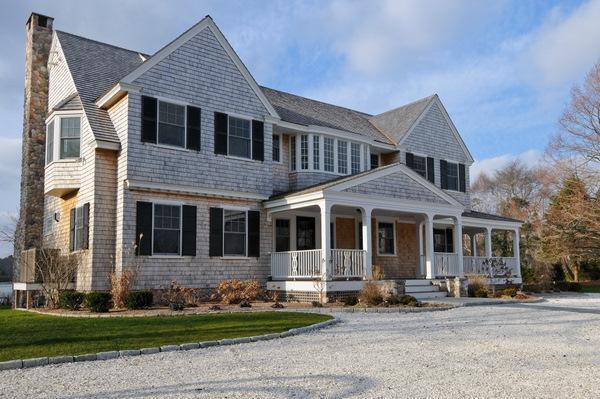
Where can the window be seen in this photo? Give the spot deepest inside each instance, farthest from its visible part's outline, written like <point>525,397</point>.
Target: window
<point>420,165</point>
<point>304,152</point>
<point>167,229</point>
<point>234,233</point>
<point>276,148</point>
<point>374,161</point>
<point>355,157</point>
<point>442,240</point>
<point>385,238</point>
<point>171,124</point>
<point>305,233</point>
<point>50,142</point>
<point>316,153</point>
<point>239,137</point>
<point>282,235</point>
<point>79,226</point>
<point>452,176</point>
<point>69,137</point>
<point>342,157</point>
<point>328,153</point>
<point>293,153</point>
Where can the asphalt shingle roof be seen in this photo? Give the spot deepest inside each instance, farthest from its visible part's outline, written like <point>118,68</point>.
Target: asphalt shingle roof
<point>397,122</point>
<point>489,216</point>
<point>96,67</point>
<point>71,103</point>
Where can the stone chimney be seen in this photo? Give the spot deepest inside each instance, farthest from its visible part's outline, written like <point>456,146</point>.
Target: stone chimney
<point>37,49</point>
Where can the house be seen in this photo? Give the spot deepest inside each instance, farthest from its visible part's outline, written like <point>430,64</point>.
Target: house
<point>179,164</point>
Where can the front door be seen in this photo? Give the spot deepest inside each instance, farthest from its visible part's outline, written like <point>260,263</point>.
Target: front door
<point>305,233</point>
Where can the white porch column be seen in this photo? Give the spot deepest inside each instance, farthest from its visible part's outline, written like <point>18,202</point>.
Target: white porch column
<point>473,237</point>
<point>516,251</point>
<point>366,241</point>
<point>458,244</point>
<point>325,240</point>
<point>488,242</point>
<point>429,258</point>
<point>420,241</point>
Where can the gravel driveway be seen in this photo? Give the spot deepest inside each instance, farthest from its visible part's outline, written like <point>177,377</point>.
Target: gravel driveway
<point>549,349</point>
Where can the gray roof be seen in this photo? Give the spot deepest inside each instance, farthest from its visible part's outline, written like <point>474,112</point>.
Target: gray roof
<point>397,122</point>
<point>489,216</point>
<point>304,111</point>
<point>71,103</point>
<point>96,67</point>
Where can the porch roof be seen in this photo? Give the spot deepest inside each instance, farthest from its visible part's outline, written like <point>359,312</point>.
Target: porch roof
<point>489,216</point>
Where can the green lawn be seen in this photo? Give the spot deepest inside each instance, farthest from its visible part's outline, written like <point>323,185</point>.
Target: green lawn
<point>591,288</point>
<point>28,335</point>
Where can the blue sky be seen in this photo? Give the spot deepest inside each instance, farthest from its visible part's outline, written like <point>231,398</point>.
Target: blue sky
<point>503,69</point>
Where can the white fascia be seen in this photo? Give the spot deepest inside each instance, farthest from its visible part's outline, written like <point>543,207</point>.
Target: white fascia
<point>115,94</point>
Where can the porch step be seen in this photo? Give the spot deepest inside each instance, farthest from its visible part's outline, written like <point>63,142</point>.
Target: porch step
<point>409,289</point>
<point>419,282</point>
<point>429,295</point>
<point>423,289</point>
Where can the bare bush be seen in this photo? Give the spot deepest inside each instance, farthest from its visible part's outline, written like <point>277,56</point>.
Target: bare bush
<point>56,273</point>
<point>235,291</point>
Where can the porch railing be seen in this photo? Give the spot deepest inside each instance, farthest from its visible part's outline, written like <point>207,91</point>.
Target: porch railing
<point>348,262</point>
<point>446,264</point>
<point>475,265</point>
<point>296,264</point>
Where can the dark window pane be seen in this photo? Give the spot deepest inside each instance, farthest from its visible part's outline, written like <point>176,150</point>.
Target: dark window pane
<point>276,153</point>
<point>420,165</point>
<point>328,154</point>
<point>234,236</point>
<point>374,161</point>
<point>171,127</point>
<point>452,173</point>
<point>167,226</point>
<point>385,241</point>
<point>305,233</point>
<point>282,235</point>
<point>239,137</point>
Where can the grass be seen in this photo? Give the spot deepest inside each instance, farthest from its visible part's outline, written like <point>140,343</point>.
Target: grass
<point>28,335</point>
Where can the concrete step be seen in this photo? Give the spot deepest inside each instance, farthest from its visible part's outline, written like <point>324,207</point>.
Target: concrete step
<point>419,282</point>
<point>429,295</point>
<point>421,288</point>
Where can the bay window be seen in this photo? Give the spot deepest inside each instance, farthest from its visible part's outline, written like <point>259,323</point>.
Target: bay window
<point>316,152</point>
<point>355,157</point>
<point>293,153</point>
<point>328,153</point>
<point>50,142</point>
<point>70,128</point>
<point>342,157</point>
<point>304,152</point>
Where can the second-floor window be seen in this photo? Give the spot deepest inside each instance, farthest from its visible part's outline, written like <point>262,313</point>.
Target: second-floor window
<point>276,148</point>
<point>342,157</point>
<point>293,153</point>
<point>374,161</point>
<point>328,153</point>
<point>316,152</point>
<point>171,124</point>
<point>355,157</point>
<point>304,152</point>
<point>50,142</point>
<point>239,137</point>
<point>69,137</point>
<point>420,165</point>
<point>453,176</point>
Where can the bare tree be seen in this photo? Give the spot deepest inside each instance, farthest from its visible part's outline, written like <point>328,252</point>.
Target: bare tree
<point>8,230</point>
<point>56,273</point>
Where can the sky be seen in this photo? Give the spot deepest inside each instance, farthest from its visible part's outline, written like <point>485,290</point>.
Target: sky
<point>503,69</point>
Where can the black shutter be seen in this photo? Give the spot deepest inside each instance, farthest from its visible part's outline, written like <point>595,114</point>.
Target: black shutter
<point>149,123</point>
<point>216,232</point>
<point>430,170</point>
<point>86,226</point>
<point>254,234</point>
<point>449,240</point>
<point>462,184</point>
<point>220,133</point>
<point>258,140</point>
<point>143,228</point>
<point>410,160</point>
<point>72,230</point>
<point>443,174</point>
<point>188,241</point>
<point>193,128</point>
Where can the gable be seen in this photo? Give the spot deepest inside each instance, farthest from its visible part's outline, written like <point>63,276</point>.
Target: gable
<point>397,185</point>
<point>434,135</point>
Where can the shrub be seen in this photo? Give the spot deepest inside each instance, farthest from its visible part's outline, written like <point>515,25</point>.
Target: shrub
<point>70,299</point>
<point>350,300</point>
<point>120,285</point>
<point>393,299</point>
<point>408,300</point>
<point>174,297</point>
<point>98,302</point>
<point>138,299</point>
<point>568,286</point>
<point>370,294</point>
<point>510,291</point>
<point>477,284</point>
<point>245,304</point>
<point>316,304</point>
<point>521,296</point>
<point>480,292</point>
<point>193,296</point>
<point>235,291</point>
<point>529,275</point>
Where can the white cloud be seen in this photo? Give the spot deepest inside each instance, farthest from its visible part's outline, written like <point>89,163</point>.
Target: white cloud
<point>529,158</point>
<point>566,45</point>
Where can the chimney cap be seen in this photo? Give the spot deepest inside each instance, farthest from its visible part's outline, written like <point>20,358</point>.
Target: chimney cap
<point>38,15</point>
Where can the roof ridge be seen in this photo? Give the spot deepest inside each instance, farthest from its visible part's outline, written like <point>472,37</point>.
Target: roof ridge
<point>428,98</point>
<point>102,43</point>
<point>318,101</point>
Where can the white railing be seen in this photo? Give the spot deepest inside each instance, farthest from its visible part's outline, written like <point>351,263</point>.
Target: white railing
<point>348,262</point>
<point>475,265</point>
<point>446,264</point>
<point>296,264</point>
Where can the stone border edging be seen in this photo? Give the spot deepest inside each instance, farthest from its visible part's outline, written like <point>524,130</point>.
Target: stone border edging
<point>44,361</point>
<point>376,309</point>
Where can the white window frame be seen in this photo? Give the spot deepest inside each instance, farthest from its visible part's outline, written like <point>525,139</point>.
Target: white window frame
<point>354,145</point>
<point>393,223</point>
<point>56,117</point>
<point>293,153</point>
<point>50,154</point>
<point>235,209</point>
<point>457,176</point>
<point>78,210</point>
<point>301,160</point>
<point>229,116</point>
<point>280,138</point>
<point>184,105</point>
<point>168,203</point>
<point>425,158</point>
<point>289,220</point>
<point>339,142</point>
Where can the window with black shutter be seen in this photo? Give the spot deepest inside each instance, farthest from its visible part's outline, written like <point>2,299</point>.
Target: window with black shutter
<point>143,228</point>
<point>443,174</point>
<point>79,227</point>
<point>282,235</point>
<point>216,232</point>
<point>149,122</point>
<point>254,234</point>
<point>188,231</point>
<point>221,128</point>
<point>430,170</point>
<point>72,230</point>
<point>258,140</point>
<point>462,183</point>
<point>193,128</point>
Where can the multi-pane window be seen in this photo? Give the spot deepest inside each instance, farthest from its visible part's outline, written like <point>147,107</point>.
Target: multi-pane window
<point>316,153</point>
<point>234,233</point>
<point>171,124</point>
<point>452,176</point>
<point>304,152</point>
<point>342,157</point>
<point>167,229</point>
<point>239,137</point>
<point>385,238</point>
<point>293,153</point>
<point>355,157</point>
<point>328,154</point>
<point>79,228</point>
<point>276,148</point>
<point>442,240</point>
<point>282,235</point>
<point>374,161</point>
<point>420,165</point>
<point>50,143</point>
<point>69,137</point>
